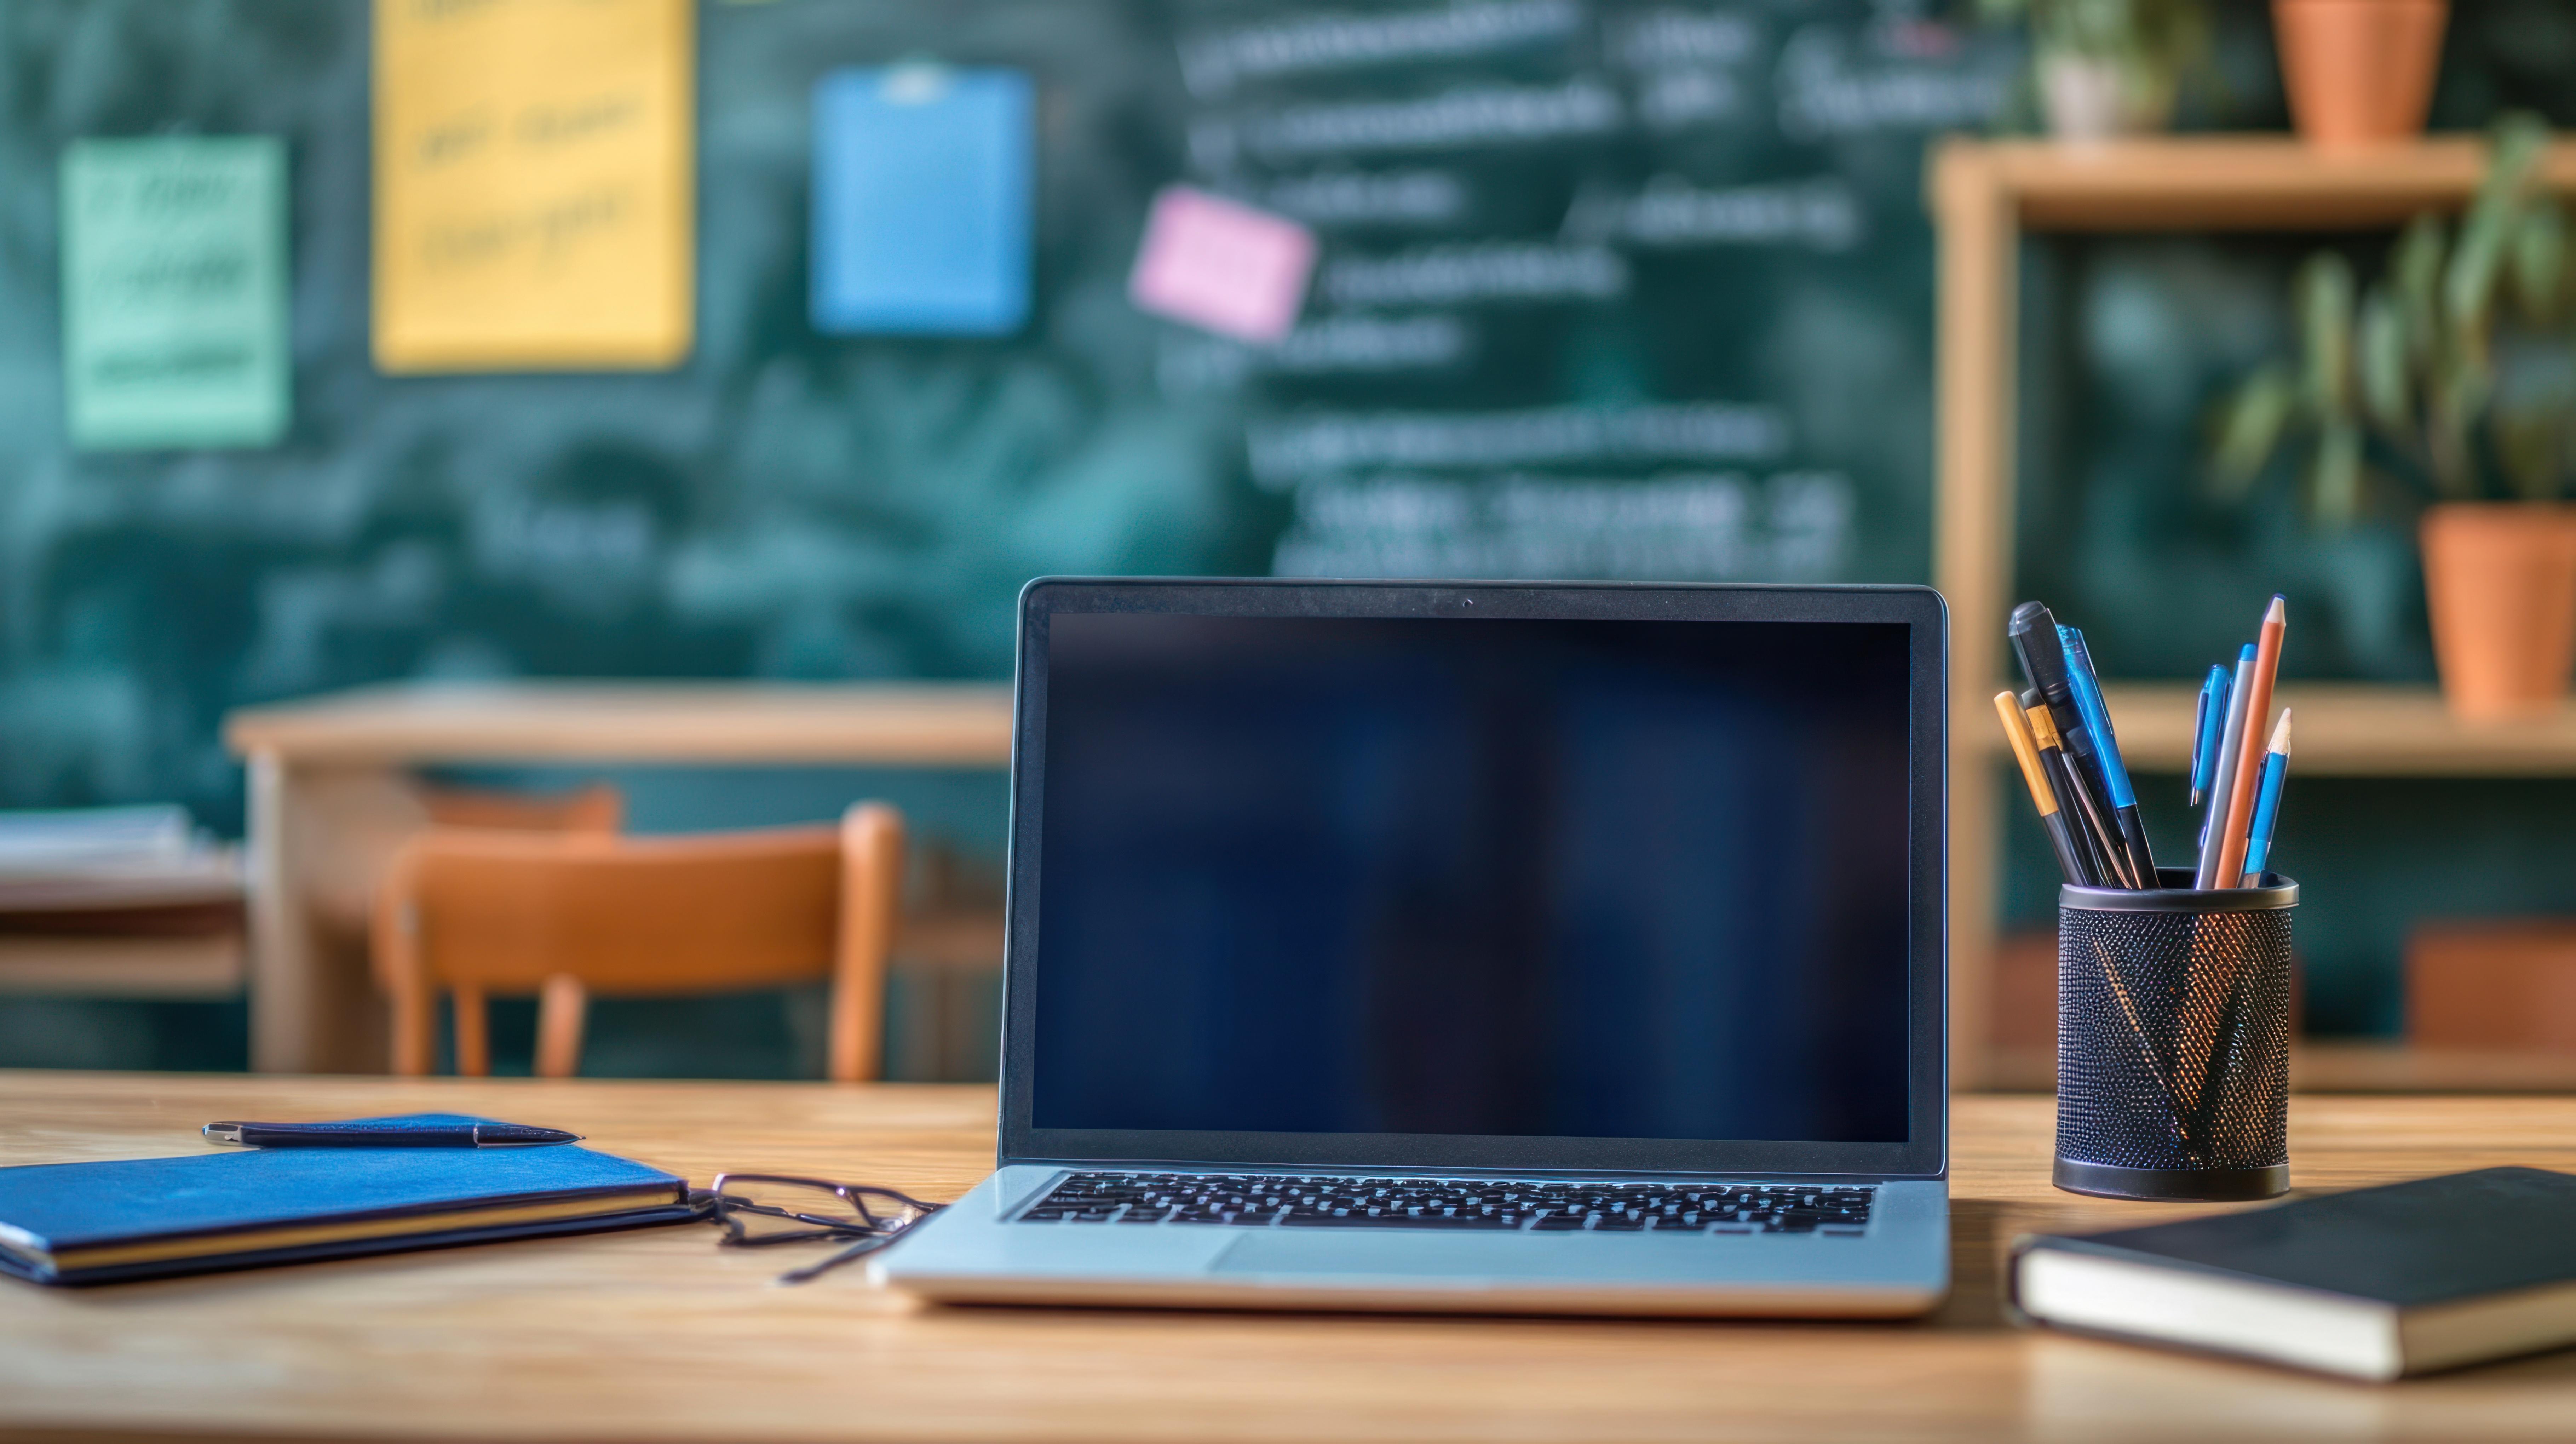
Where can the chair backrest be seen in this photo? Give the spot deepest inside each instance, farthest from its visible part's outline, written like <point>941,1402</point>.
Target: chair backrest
<point>482,913</point>
<point>599,807</point>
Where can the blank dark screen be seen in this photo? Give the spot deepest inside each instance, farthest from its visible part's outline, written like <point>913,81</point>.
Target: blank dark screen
<point>1603,879</point>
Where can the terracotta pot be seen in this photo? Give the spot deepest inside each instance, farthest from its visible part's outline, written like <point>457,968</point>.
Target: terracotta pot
<point>2359,72</point>
<point>2092,100</point>
<point>2500,580</point>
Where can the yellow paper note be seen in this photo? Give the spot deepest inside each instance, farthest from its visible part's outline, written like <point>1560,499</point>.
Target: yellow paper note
<point>534,188</point>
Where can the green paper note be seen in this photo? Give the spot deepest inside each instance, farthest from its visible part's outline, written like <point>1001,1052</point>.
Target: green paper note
<point>174,292</point>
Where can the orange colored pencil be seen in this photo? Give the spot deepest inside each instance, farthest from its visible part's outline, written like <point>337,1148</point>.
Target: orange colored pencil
<point>2249,752</point>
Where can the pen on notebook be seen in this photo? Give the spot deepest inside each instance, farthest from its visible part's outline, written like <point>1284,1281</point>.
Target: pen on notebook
<point>2042,795</point>
<point>2096,713</point>
<point>2093,835</point>
<point>2267,803</point>
<point>360,1135</point>
<point>2249,759</point>
<point>2223,775</point>
<point>2207,727</point>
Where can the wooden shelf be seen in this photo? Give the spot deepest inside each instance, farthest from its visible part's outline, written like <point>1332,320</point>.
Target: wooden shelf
<point>2350,1067</point>
<point>2342,729</point>
<point>1986,196</point>
<point>2226,182</point>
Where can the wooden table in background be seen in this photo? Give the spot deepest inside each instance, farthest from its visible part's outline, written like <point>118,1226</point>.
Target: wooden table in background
<point>313,1011</point>
<point>662,1335</point>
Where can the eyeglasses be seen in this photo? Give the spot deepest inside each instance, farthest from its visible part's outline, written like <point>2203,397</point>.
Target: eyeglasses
<point>760,1209</point>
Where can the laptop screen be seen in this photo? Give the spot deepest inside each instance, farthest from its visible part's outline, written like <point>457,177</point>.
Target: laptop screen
<point>1441,876</point>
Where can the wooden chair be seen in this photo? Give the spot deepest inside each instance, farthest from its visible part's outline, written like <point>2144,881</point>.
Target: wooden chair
<point>358,820</point>
<point>598,807</point>
<point>481,913</point>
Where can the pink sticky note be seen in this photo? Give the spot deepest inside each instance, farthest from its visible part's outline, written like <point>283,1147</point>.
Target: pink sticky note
<point>1224,267</point>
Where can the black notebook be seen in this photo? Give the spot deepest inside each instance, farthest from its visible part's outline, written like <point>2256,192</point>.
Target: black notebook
<point>2374,1283</point>
<point>80,1223</point>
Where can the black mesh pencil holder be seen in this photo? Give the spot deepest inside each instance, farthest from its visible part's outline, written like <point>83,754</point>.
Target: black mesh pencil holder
<point>2173,1039</point>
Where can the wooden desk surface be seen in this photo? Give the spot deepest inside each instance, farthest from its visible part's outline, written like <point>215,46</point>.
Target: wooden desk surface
<point>662,1335</point>
<point>922,724</point>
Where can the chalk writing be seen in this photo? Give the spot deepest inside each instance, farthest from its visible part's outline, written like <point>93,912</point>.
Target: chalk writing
<point>1346,345</point>
<point>1821,213</point>
<point>1670,100</point>
<point>1403,198</point>
<point>1660,39</point>
<point>1464,117</point>
<point>1331,442</point>
<point>1449,275</point>
<point>1213,64</point>
<point>1825,89</point>
<point>1723,526</point>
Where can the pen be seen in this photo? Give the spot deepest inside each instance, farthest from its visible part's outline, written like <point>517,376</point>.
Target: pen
<point>2043,660</point>
<point>2043,796</point>
<point>2267,803</point>
<point>362,1135</point>
<point>2208,727</point>
<point>2096,713</point>
<point>2105,867</point>
<point>2258,713</point>
<point>2225,774</point>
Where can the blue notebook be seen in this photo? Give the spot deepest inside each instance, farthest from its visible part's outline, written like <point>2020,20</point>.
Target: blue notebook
<point>78,1223</point>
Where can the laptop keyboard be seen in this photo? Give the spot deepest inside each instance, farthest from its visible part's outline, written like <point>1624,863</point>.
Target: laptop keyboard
<point>1302,1201</point>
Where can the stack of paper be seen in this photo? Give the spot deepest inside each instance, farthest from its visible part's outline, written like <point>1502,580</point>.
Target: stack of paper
<point>118,900</point>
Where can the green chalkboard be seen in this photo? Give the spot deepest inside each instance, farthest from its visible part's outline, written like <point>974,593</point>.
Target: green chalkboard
<point>1602,289</point>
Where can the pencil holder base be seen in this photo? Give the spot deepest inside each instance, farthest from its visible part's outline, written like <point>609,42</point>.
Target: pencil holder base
<point>2194,1185</point>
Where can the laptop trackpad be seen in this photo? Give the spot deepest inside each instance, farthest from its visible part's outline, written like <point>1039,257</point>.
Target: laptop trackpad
<point>1409,1254</point>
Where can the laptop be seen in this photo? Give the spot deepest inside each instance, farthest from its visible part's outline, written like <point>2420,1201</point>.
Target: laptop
<point>1468,946</point>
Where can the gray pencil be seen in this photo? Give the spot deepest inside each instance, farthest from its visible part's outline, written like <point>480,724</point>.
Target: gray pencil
<point>2214,821</point>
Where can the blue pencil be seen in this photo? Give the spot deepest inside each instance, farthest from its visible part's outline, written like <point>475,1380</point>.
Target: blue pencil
<point>2267,803</point>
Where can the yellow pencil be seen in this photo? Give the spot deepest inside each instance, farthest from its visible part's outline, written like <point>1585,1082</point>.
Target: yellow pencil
<point>2026,752</point>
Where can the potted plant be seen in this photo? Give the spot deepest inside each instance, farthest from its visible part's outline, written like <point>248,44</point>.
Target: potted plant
<point>2359,72</point>
<point>2450,381</point>
<point>2108,68</point>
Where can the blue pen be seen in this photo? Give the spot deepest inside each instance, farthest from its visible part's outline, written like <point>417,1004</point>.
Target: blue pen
<point>2212,822</point>
<point>2267,803</point>
<point>2206,727</point>
<point>2087,687</point>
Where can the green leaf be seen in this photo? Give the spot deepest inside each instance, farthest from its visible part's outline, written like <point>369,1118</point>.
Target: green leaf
<point>2540,262</point>
<point>2334,478</point>
<point>2325,330</point>
<point>2459,398</point>
<point>2519,139</point>
<point>2529,447</point>
<point>2249,427</point>
<point>2415,268</point>
<point>2381,359</point>
<point>2469,287</point>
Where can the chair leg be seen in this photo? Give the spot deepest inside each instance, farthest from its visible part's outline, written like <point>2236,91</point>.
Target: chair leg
<point>871,904</point>
<point>415,1031</point>
<point>473,1034</point>
<point>395,942</point>
<point>563,1007</point>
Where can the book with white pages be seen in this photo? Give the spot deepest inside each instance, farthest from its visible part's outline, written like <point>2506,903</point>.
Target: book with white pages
<point>2374,1283</point>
